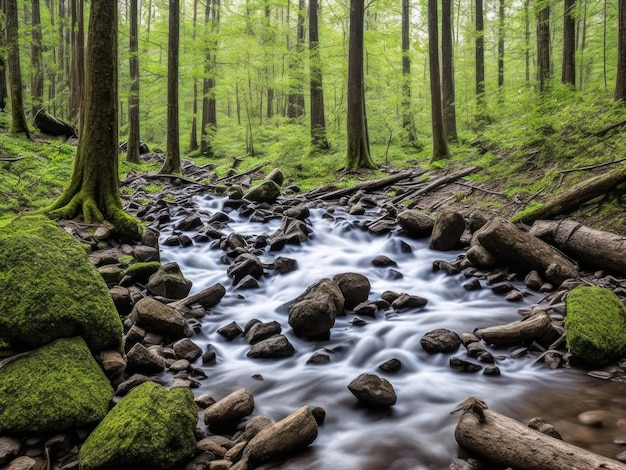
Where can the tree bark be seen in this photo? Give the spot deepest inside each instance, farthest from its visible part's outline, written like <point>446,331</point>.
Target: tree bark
<point>36,84</point>
<point>529,329</point>
<point>209,114</point>
<point>93,190</point>
<point>447,71</point>
<point>193,140</point>
<point>593,248</point>
<point>358,151</point>
<point>515,247</point>
<point>501,31</point>
<point>132,149</point>
<point>572,198</point>
<point>18,116</point>
<point>318,120</point>
<point>295,98</point>
<point>507,442</point>
<point>568,72</point>
<point>480,53</point>
<point>408,124</point>
<point>77,75</point>
<point>620,84</point>
<point>440,142</point>
<point>543,48</point>
<point>171,165</point>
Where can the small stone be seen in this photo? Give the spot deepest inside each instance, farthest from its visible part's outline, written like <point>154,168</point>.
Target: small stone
<point>473,284</point>
<point>383,261</point>
<point>230,331</point>
<point>533,280</point>
<point>204,401</point>
<point>9,449</point>
<point>274,347</point>
<point>461,365</point>
<point>514,296</point>
<point>248,282</point>
<point>467,338</point>
<point>408,301</point>
<point>230,409</point>
<point>373,391</point>
<point>141,359</point>
<point>366,309</point>
<point>319,358</point>
<point>391,366</point>
<point>262,331</point>
<point>440,341</point>
<point>187,349</point>
<point>502,288</point>
<point>492,370</point>
<point>180,365</point>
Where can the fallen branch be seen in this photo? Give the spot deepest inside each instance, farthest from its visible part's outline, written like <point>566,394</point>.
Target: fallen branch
<point>14,159</point>
<point>505,441</point>
<point>606,130</point>
<point>440,182</point>
<point>599,165</point>
<point>239,175</point>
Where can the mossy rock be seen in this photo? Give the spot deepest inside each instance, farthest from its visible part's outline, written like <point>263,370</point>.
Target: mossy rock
<point>50,290</point>
<point>151,427</point>
<point>52,388</point>
<point>595,324</point>
<point>266,191</point>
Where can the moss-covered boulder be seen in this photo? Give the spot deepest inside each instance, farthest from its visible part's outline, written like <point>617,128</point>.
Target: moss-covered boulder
<point>595,324</point>
<point>266,191</point>
<point>50,290</point>
<point>151,427</point>
<point>55,387</point>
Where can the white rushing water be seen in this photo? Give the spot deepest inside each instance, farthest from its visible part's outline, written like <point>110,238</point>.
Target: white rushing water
<point>416,433</point>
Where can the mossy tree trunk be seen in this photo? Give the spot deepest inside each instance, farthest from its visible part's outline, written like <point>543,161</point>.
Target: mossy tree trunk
<point>172,158</point>
<point>440,141</point>
<point>132,149</point>
<point>18,117</point>
<point>620,82</point>
<point>93,190</point>
<point>318,120</point>
<point>36,87</point>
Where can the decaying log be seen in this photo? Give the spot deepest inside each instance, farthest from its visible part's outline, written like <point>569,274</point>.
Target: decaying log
<point>572,198</point>
<point>593,248</point>
<point>438,183</point>
<point>207,298</point>
<point>500,439</point>
<point>48,124</point>
<point>531,328</point>
<point>367,185</point>
<point>514,247</point>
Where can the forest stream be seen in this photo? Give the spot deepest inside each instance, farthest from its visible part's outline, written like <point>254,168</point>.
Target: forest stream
<point>418,432</point>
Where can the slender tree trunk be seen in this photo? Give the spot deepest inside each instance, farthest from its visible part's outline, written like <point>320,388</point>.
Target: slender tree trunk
<point>132,148</point>
<point>318,120</point>
<point>52,86</point>
<point>501,32</point>
<point>18,116</point>
<point>193,140</point>
<point>527,39</point>
<point>480,53</point>
<point>583,46</point>
<point>269,67</point>
<point>568,72</point>
<point>295,99</point>
<point>77,76</point>
<point>171,165</point>
<point>3,65</point>
<point>408,125</point>
<point>36,87</point>
<point>440,143</point>
<point>93,190</point>
<point>209,108</point>
<point>358,151</point>
<point>620,84</point>
<point>447,71</point>
<point>543,47</point>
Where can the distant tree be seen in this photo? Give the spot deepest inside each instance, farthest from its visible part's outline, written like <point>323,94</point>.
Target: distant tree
<point>295,97</point>
<point>132,148</point>
<point>447,71</point>
<point>3,65</point>
<point>77,74</point>
<point>209,108</point>
<point>193,141</point>
<point>440,143</point>
<point>18,116</point>
<point>93,189</point>
<point>543,46</point>
<point>480,52</point>
<point>36,83</point>
<point>172,157</point>
<point>620,84</point>
<point>408,124</point>
<point>500,45</point>
<point>318,120</point>
<point>568,70</point>
<point>358,151</point>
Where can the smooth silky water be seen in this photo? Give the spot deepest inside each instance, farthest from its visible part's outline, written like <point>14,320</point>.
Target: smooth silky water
<point>416,433</point>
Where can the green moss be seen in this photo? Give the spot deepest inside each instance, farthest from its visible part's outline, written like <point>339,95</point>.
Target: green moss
<point>149,428</point>
<point>595,324</point>
<point>50,290</point>
<point>529,211</point>
<point>55,387</point>
<point>142,271</point>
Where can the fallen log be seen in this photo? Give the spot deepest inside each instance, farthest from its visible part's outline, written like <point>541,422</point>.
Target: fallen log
<point>514,247</point>
<point>593,248</point>
<point>207,298</point>
<point>368,185</point>
<point>500,439</point>
<point>48,124</point>
<point>531,328</point>
<point>439,182</point>
<point>572,198</point>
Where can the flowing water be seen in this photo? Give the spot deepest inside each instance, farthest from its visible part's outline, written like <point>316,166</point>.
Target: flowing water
<point>416,433</point>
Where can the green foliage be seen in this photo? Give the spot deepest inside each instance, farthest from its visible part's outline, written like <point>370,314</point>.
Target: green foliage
<point>151,427</point>
<point>53,388</point>
<point>595,323</point>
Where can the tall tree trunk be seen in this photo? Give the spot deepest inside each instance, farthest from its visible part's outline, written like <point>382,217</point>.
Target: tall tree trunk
<point>295,98</point>
<point>568,71</point>
<point>3,65</point>
<point>358,151</point>
<point>480,53</point>
<point>18,116</point>
<point>620,84</point>
<point>440,143</point>
<point>77,76</point>
<point>132,148</point>
<point>447,71</point>
<point>527,39</point>
<point>193,140</point>
<point>318,120</point>
<point>583,45</point>
<point>209,109</point>
<point>52,73</point>
<point>269,67</point>
<point>93,190</point>
<point>408,125</point>
<point>543,47</point>
<point>501,46</point>
<point>36,87</point>
<point>171,164</point>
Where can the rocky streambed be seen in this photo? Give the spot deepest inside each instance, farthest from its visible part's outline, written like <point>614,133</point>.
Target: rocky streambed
<point>336,327</point>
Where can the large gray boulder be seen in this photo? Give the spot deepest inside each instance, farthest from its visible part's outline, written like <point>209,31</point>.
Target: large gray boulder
<point>159,318</point>
<point>354,287</point>
<point>416,223</point>
<point>314,312</point>
<point>447,231</point>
